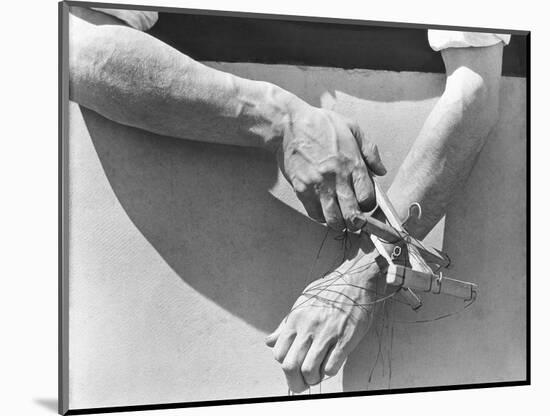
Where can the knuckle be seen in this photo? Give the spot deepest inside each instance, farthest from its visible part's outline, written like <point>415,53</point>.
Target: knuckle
<point>299,187</point>
<point>351,214</point>
<point>363,187</point>
<point>331,371</point>
<point>278,357</point>
<point>361,173</point>
<point>331,220</point>
<point>289,367</point>
<point>327,169</point>
<point>314,178</point>
<point>312,379</point>
<point>307,371</point>
<point>311,375</point>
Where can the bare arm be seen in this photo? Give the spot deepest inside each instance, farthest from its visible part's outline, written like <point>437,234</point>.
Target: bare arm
<point>135,79</point>
<point>446,149</point>
<point>334,313</point>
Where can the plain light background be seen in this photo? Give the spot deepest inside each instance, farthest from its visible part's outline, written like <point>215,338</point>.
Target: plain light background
<point>28,164</point>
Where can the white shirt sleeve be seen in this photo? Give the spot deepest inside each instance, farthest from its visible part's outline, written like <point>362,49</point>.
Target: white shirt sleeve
<point>138,19</point>
<point>443,39</point>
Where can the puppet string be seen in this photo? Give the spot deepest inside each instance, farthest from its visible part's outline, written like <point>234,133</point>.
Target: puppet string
<point>438,318</point>
<point>336,279</point>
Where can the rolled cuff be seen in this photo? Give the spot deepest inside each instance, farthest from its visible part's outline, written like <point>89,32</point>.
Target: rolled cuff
<point>443,39</point>
<point>138,19</point>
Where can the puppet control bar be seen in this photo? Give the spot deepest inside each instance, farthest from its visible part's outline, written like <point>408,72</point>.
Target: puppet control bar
<point>420,277</point>
<point>423,281</point>
<point>428,282</point>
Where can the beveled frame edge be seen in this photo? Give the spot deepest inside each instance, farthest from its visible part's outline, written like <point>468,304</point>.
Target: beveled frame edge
<point>63,229</point>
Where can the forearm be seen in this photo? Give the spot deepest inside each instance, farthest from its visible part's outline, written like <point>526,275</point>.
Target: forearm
<point>137,80</point>
<point>445,151</point>
<point>442,156</point>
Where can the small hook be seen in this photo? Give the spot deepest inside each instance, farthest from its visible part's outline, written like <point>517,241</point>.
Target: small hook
<point>415,212</point>
<point>411,210</point>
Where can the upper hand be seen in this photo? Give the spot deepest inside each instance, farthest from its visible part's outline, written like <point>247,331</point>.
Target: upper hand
<point>327,159</point>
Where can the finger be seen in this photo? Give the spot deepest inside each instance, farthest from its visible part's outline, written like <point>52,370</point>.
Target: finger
<point>312,365</point>
<point>334,361</point>
<point>364,188</point>
<point>293,363</point>
<point>283,345</point>
<point>330,207</point>
<point>271,339</point>
<point>302,181</point>
<point>347,202</point>
<point>309,199</point>
<point>369,150</point>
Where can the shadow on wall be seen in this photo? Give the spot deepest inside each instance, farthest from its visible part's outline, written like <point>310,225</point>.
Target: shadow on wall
<point>205,208</point>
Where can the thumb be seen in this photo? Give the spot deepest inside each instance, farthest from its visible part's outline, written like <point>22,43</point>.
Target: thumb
<point>271,339</point>
<point>370,152</point>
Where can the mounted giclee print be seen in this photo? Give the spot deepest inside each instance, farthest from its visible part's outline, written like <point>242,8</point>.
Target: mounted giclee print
<point>259,207</point>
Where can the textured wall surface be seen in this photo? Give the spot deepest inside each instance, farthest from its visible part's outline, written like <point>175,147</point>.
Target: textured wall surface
<point>184,255</point>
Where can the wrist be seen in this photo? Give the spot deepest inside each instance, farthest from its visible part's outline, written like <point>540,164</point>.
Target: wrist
<point>363,268</point>
<point>265,111</point>
<point>285,109</point>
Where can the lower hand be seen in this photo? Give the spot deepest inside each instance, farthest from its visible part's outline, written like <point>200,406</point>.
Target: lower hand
<point>327,322</point>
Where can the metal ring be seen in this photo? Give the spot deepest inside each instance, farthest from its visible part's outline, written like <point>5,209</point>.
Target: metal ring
<point>396,252</point>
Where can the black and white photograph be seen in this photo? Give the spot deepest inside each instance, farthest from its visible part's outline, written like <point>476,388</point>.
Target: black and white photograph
<point>260,207</point>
